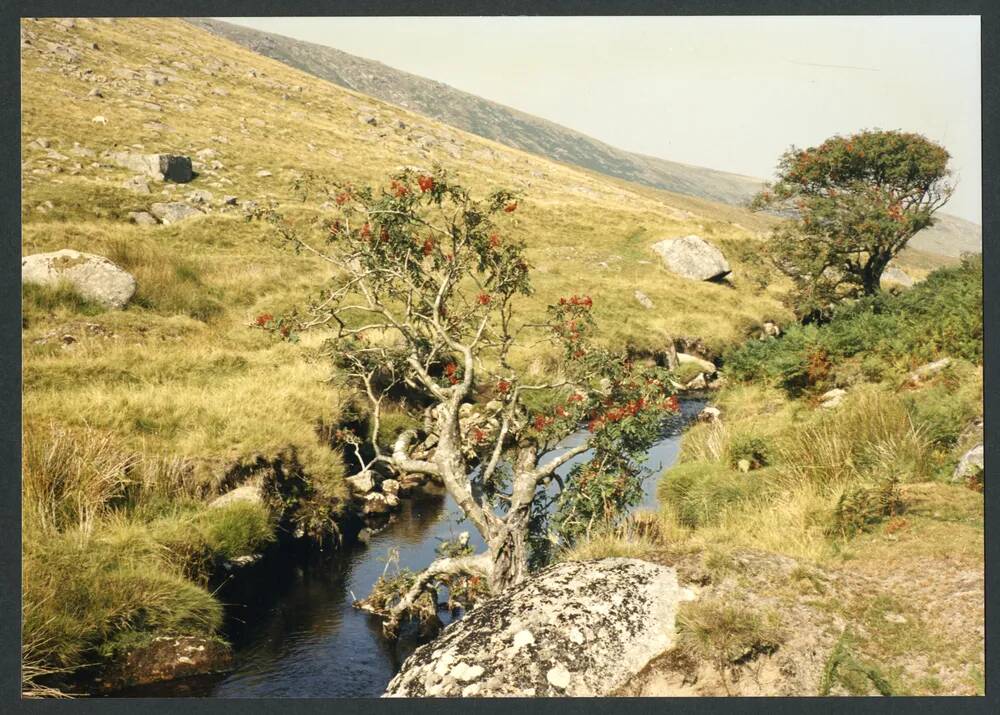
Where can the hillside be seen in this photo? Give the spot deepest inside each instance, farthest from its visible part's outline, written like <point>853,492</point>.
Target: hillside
<point>950,237</point>
<point>135,418</point>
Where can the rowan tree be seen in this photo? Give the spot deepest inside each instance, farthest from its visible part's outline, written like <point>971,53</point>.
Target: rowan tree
<point>428,293</point>
<point>854,203</point>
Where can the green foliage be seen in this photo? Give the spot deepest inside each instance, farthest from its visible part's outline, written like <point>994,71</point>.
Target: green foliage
<point>857,677</point>
<point>940,316</point>
<point>857,200</point>
<point>757,450</point>
<point>861,506</point>
<point>942,411</point>
<point>698,492</point>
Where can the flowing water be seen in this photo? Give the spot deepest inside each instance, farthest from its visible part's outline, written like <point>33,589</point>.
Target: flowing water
<point>292,625</point>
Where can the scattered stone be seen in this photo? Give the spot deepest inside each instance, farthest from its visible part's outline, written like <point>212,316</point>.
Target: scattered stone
<point>99,120</point>
<point>928,370</point>
<point>691,257</point>
<point>229,200</point>
<point>644,300</point>
<point>710,414</point>
<point>365,535</point>
<point>361,483</point>
<point>390,486</point>
<point>173,211</point>
<point>743,466</point>
<point>93,277</point>
<point>41,143</point>
<point>263,173</point>
<point>165,167</point>
<point>832,398</point>
<point>156,78</point>
<point>143,218</point>
<point>376,503</point>
<point>771,329</point>
<point>200,196</point>
<point>972,463</point>
<point>599,622</point>
<point>206,154</point>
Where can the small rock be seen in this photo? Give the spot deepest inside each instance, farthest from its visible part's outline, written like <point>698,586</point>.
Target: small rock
<point>229,200</point>
<point>771,329</point>
<point>263,173</point>
<point>165,167</point>
<point>143,218</point>
<point>173,211</point>
<point>928,370</point>
<point>248,493</point>
<point>523,638</point>
<point>390,486</point>
<point>361,483</point>
<point>644,300</point>
<point>200,196</point>
<point>743,466</point>
<point>705,365</point>
<point>99,120</point>
<point>709,414</point>
<point>832,398</point>
<point>368,119</point>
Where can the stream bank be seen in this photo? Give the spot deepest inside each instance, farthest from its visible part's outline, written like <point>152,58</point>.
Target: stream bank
<point>290,618</point>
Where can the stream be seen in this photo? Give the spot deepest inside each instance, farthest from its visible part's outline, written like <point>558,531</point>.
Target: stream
<point>291,622</point>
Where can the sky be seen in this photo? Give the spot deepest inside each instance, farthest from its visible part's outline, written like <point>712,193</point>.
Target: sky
<point>729,93</point>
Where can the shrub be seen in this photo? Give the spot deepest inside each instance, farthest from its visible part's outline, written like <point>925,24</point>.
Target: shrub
<point>755,449</point>
<point>943,412</point>
<point>698,491</point>
<point>940,316</point>
<point>726,634</point>
<point>862,506</point>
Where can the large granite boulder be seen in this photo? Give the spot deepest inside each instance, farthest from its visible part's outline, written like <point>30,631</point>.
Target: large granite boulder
<point>573,629</point>
<point>692,257</point>
<point>93,277</point>
<point>165,167</point>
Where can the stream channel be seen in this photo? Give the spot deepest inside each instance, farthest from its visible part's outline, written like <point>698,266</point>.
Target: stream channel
<point>294,631</point>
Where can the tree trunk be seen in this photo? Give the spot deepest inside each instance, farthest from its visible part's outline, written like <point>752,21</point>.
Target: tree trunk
<point>508,549</point>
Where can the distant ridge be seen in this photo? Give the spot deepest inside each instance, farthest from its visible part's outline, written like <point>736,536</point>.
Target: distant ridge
<point>951,236</point>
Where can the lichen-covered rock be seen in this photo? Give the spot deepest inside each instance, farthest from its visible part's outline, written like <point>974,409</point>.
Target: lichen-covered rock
<point>94,277</point>
<point>973,462</point>
<point>832,398</point>
<point>692,257</point>
<point>574,629</point>
<point>248,493</point>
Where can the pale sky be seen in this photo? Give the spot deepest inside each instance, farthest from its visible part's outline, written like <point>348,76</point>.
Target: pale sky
<point>721,92</point>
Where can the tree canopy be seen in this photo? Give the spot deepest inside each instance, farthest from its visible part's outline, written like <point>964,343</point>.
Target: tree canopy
<point>422,298</point>
<point>853,202</point>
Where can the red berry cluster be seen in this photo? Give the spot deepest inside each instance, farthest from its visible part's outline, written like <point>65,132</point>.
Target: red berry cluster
<point>426,183</point>
<point>263,319</point>
<point>400,190</point>
<point>450,372</point>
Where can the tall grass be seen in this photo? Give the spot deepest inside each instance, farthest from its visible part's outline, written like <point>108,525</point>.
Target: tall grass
<point>116,549</point>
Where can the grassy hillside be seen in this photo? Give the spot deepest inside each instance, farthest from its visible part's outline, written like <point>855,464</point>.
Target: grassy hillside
<point>949,238</point>
<point>135,418</point>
